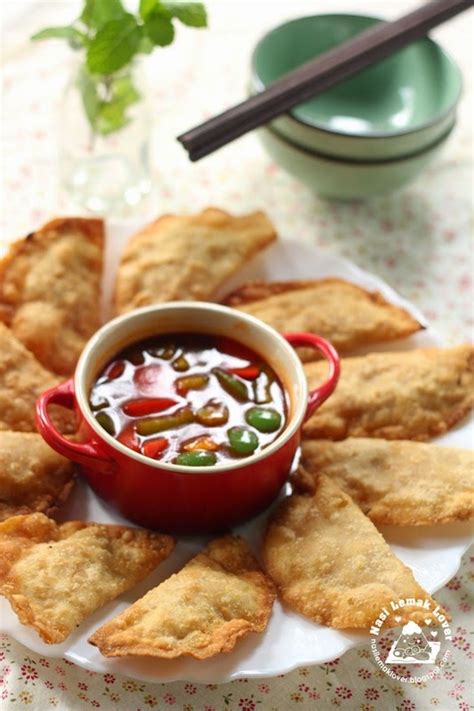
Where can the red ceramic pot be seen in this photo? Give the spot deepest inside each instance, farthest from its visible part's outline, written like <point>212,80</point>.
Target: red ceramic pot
<point>171,497</point>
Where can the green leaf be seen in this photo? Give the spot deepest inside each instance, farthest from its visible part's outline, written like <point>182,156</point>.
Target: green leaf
<point>89,95</point>
<point>145,46</point>
<point>189,13</point>
<point>113,46</point>
<point>147,7</point>
<point>76,39</point>
<point>107,115</point>
<point>97,13</point>
<point>113,113</point>
<point>159,29</point>
<point>111,118</point>
<point>124,92</point>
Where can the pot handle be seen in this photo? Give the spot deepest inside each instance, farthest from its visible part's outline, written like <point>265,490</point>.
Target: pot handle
<point>86,453</point>
<point>320,394</point>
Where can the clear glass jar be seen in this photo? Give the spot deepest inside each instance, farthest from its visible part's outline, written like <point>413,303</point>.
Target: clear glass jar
<point>105,174</point>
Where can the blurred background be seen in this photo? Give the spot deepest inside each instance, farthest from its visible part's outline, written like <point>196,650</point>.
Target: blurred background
<point>419,239</point>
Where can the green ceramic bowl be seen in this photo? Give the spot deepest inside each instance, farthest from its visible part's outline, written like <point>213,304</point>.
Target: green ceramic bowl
<point>338,179</point>
<point>398,107</point>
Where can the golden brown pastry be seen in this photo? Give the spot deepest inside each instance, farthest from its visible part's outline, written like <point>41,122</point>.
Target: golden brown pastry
<point>33,477</point>
<point>50,287</point>
<point>218,597</point>
<point>397,483</point>
<point>55,576</point>
<point>414,394</point>
<point>22,380</point>
<point>331,564</point>
<point>188,256</point>
<point>345,314</point>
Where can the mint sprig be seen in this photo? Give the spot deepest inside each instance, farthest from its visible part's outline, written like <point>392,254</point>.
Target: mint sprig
<point>111,38</point>
<point>113,46</point>
<point>75,37</point>
<point>192,14</point>
<point>107,110</point>
<point>96,13</point>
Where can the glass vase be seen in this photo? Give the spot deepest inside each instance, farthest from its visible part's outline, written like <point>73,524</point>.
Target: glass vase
<point>106,173</point>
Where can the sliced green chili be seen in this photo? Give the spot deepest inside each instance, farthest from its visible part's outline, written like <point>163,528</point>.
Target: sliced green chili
<point>180,364</point>
<point>242,440</point>
<point>214,414</point>
<point>106,422</point>
<point>165,422</point>
<point>191,382</point>
<point>165,352</point>
<point>97,402</point>
<point>196,459</point>
<point>232,385</point>
<point>264,419</point>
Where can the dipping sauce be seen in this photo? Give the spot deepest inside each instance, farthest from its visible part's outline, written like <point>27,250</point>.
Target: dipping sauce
<point>190,399</point>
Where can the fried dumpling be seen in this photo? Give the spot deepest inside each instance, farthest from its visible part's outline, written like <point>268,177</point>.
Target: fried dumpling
<point>50,286</point>
<point>188,256</point>
<point>345,314</point>
<point>395,483</point>
<point>22,380</point>
<point>218,597</point>
<point>33,477</point>
<point>55,576</point>
<point>414,394</point>
<point>330,563</point>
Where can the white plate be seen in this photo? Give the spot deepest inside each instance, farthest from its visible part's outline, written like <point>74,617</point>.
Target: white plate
<point>290,640</point>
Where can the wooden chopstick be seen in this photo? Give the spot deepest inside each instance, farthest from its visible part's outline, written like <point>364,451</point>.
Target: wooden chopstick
<point>314,77</point>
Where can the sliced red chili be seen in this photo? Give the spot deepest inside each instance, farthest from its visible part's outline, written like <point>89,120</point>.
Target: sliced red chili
<point>129,438</point>
<point>200,443</point>
<point>249,372</point>
<point>154,447</point>
<point>115,370</point>
<point>234,348</point>
<point>147,406</point>
<point>147,379</point>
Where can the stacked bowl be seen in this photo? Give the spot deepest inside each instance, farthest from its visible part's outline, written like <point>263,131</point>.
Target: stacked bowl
<point>371,133</point>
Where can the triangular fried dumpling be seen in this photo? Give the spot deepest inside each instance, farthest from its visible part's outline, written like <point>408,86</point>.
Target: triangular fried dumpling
<point>414,394</point>
<point>33,477</point>
<point>188,256</point>
<point>219,596</point>
<point>50,286</point>
<point>55,576</point>
<point>22,380</point>
<point>331,564</point>
<point>395,483</point>
<point>345,314</point>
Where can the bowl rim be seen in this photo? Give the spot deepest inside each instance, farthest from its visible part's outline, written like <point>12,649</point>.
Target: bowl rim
<point>375,135</point>
<point>358,161</point>
<point>283,438</point>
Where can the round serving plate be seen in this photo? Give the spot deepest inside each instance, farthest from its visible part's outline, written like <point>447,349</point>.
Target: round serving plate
<point>290,641</point>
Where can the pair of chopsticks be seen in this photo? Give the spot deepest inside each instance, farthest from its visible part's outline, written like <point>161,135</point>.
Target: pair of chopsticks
<point>314,77</point>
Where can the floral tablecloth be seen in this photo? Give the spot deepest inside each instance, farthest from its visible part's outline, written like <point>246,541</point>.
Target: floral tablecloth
<point>352,682</point>
<point>419,240</point>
